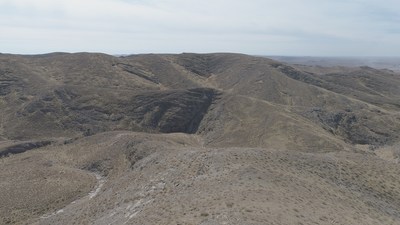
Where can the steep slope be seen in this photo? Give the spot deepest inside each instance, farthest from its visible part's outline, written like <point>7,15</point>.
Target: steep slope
<point>250,122</point>
<point>331,103</point>
<point>82,94</point>
<point>68,95</point>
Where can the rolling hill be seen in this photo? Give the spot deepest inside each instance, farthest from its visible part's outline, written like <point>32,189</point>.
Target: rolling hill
<point>90,138</point>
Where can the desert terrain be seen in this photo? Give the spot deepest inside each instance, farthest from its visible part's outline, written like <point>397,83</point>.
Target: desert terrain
<point>388,63</point>
<point>223,138</point>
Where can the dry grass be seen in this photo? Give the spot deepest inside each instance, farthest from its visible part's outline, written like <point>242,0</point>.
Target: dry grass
<point>166,179</point>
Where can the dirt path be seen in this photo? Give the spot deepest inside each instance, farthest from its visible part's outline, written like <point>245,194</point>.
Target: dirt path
<point>100,182</point>
<point>95,191</point>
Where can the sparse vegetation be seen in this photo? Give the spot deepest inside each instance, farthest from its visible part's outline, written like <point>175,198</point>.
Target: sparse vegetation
<point>196,139</point>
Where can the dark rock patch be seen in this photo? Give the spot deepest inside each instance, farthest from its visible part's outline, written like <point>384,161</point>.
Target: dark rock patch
<point>173,111</point>
<point>22,147</point>
<point>354,128</point>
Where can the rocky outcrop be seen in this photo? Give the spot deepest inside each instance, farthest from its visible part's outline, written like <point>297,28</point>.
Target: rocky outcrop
<point>351,126</point>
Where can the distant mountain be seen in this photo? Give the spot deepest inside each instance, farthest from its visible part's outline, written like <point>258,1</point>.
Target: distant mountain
<point>390,63</point>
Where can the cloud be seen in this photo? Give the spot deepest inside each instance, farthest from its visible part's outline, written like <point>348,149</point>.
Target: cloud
<point>305,27</point>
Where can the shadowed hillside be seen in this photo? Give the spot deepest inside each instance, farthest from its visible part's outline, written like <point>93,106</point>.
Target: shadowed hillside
<point>70,94</point>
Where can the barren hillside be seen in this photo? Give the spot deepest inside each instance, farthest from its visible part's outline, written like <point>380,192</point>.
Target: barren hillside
<point>221,138</point>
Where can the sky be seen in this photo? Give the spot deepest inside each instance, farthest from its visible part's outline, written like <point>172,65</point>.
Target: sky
<point>257,27</point>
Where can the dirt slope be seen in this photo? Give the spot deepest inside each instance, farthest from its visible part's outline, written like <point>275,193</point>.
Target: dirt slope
<point>172,179</point>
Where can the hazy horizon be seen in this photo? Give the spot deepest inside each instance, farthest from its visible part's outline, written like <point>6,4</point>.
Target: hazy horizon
<point>258,27</point>
<point>189,52</point>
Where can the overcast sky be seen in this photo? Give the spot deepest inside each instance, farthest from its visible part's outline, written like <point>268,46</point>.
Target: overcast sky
<point>262,27</point>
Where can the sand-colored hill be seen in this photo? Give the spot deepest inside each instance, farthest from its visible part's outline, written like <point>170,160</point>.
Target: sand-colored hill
<point>196,139</point>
